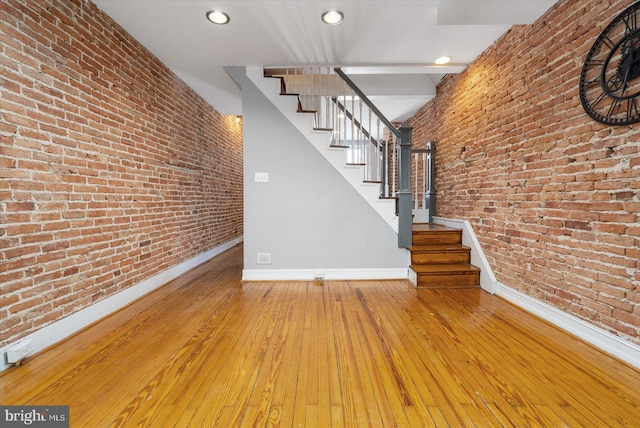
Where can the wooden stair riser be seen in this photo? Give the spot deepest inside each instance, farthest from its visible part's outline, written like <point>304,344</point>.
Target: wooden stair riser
<point>460,255</point>
<point>432,280</point>
<point>437,238</point>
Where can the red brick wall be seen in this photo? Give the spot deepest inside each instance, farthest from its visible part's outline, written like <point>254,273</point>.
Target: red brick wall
<point>113,170</point>
<point>553,195</point>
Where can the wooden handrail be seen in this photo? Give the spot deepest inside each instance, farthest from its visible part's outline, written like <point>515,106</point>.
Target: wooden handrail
<point>367,101</point>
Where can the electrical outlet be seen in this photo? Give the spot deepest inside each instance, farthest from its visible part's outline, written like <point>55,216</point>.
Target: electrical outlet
<point>19,351</point>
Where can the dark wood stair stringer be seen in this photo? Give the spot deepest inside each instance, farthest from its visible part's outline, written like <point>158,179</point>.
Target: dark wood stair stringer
<point>283,91</point>
<point>440,260</point>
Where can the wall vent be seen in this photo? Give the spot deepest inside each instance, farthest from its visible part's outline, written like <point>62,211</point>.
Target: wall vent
<point>264,258</point>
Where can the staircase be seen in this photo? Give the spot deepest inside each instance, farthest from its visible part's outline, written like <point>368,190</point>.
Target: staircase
<point>377,159</point>
<point>363,151</point>
<point>439,259</point>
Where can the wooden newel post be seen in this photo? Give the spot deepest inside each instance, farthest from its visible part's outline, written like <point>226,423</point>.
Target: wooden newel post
<point>405,196</point>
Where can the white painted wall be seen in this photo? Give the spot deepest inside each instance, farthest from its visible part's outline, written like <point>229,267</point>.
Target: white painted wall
<point>307,216</point>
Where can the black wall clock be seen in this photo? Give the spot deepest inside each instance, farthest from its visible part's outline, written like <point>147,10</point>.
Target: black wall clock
<point>610,78</point>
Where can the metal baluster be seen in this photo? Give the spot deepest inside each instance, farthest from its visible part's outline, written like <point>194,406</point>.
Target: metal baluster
<point>344,117</point>
<point>328,106</point>
<point>286,80</point>
<point>304,90</point>
<point>316,95</point>
<point>430,194</point>
<point>314,107</point>
<point>371,151</point>
<point>312,95</point>
<point>416,158</point>
<point>386,162</point>
<point>360,153</point>
<point>295,81</point>
<point>336,119</point>
<point>353,105</point>
<point>394,154</point>
<point>424,179</point>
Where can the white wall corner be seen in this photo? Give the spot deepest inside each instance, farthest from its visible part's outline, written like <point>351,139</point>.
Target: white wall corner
<point>61,329</point>
<point>412,277</point>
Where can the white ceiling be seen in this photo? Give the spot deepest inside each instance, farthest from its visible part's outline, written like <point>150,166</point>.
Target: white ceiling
<point>388,47</point>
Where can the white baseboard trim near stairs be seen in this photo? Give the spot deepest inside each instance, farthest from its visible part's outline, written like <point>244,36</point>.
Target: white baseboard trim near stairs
<point>59,330</point>
<point>327,274</point>
<point>596,336</point>
<point>488,280</point>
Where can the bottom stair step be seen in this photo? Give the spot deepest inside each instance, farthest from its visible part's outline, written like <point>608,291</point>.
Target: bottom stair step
<point>447,275</point>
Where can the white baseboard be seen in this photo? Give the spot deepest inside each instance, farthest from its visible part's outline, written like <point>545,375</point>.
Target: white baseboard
<point>328,274</point>
<point>65,327</point>
<point>596,336</point>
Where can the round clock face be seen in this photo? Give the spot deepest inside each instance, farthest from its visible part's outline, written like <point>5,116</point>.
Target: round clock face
<point>610,78</point>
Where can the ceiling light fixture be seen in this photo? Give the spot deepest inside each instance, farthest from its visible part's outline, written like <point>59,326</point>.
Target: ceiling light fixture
<point>218,17</point>
<point>332,17</point>
<point>443,60</point>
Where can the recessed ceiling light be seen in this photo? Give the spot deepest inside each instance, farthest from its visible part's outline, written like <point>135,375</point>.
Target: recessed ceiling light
<point>332,17</point>
<point>443,60</point>
<point>218,17</point>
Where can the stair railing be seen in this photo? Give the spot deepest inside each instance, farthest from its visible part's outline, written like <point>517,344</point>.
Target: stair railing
<point>370,139</point>
<point>424,184</point>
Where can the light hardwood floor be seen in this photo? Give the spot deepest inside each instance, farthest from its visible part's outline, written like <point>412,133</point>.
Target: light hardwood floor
<point>208,350</point>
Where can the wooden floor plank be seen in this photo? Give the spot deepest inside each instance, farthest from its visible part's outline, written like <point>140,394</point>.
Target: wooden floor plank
<point>559,363</point>
<point>284,394</point>
<point>208,350</point>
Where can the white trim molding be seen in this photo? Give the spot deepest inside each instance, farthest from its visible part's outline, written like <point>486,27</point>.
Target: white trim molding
<point>326,274</point>
<point>61,329</point>
<point>596,336</point>
<point>488,280</point>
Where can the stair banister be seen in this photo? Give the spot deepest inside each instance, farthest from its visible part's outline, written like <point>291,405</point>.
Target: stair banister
<point>425,179</point>
<point>367,101</point>
<point>357,123</point>
<point>385,158</point>
<point>404,194</point>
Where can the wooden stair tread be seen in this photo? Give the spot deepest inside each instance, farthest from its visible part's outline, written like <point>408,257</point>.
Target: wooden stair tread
<point>437,248</point>
<point>432,227</point>
<point>446,268</point>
